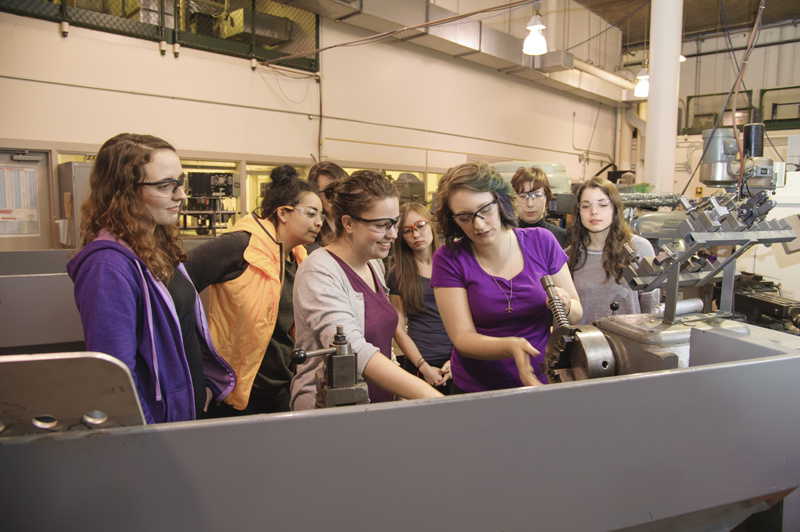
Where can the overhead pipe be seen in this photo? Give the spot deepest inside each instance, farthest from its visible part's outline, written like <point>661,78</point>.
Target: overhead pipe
<point>583,66</point>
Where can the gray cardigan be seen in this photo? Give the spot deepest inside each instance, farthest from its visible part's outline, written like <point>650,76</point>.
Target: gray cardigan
<point>323,298</point>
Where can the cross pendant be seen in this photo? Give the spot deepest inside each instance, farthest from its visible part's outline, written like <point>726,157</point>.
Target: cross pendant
<point>509,309</point>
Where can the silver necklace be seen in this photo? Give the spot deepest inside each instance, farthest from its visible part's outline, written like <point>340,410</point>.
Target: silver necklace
<point>510,281</point>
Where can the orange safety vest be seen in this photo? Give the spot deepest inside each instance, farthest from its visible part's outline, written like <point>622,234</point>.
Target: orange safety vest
<point>243,311</point>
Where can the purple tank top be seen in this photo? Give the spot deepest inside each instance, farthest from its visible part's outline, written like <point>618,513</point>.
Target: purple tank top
<point>380,320</point>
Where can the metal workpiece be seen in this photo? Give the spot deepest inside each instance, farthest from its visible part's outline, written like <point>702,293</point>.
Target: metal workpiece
<point>683,307</point>
<point>339,383</point>
<point>703,448</point>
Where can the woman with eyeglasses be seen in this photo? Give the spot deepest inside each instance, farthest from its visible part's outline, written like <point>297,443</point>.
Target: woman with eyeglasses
<point>487,282</point>
<point>251,274</point>
<point>426,344</point>
<point>533,196</point>
<point>597,257</point>
<point>342,285</point>
<point>133,293</point>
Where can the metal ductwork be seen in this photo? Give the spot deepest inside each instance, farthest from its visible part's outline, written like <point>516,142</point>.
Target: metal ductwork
<point>474,42</point>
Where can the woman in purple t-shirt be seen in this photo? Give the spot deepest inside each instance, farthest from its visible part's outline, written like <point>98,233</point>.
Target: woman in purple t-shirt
<point>487,282</point>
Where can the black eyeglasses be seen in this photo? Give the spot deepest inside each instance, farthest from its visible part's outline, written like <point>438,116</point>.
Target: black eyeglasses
<point>467,218</point>
<point>166,187</point>
<point>378,225</point>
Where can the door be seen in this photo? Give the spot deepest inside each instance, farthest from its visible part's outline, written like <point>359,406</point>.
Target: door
<point>25,216</point>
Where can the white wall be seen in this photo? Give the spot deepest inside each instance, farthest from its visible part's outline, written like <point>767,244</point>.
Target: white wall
<point>398,103</point>
<point>391,104</point>
<point>91,85</point>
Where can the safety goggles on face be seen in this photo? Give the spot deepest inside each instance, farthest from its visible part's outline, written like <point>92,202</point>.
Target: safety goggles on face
<point>419,226</point>
<point>378,225</point>
<point>601,205</point>
<point>309,212</point>
<point>468,218</point>
<point>166,187</point>
<point>536,194</point>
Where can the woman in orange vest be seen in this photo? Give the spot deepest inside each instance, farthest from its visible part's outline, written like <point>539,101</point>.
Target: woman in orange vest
<point>250,272</point>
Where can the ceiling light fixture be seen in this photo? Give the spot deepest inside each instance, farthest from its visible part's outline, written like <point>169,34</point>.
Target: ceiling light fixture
<point>535,43</point>
<point>642,89</point>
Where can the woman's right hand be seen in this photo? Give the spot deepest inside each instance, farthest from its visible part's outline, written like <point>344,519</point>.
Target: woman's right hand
<point>521,350</point>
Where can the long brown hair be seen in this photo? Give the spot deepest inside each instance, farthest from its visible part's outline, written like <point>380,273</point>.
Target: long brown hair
<point>409,282</point>
<point>477,178</point>
<point>615,258</point>
<point>115,205</point>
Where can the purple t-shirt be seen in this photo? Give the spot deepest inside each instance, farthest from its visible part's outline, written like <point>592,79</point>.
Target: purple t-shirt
<point>380,320</point>
<point>542,255</point>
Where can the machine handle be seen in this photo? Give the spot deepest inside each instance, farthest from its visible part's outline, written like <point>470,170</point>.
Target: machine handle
<point>554,303</point>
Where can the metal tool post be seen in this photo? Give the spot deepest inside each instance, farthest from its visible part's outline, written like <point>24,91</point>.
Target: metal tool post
<point>338,384</point>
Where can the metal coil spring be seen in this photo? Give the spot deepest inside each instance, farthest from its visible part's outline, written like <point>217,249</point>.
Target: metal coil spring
<point>554,303</point>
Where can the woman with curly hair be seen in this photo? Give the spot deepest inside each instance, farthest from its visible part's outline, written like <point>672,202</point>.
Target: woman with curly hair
<point>426,344</point>
<point>132,291</point>
<point>251,272</point>
<point>597,257</point>
<point>487,282</point>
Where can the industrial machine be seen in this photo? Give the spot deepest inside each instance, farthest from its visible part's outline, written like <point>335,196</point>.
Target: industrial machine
<point>694,428</point>
<point>620,345</point>
<point>205,193</point>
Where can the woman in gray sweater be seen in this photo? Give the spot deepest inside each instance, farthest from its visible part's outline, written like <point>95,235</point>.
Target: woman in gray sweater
<point>597,257</point>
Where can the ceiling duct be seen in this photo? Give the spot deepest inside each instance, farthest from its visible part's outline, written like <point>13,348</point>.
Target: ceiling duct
<point>335,9</point>
<point>380,16</point>
<point>498,50</point>
<point>457,40</point>
<point>471,41</point>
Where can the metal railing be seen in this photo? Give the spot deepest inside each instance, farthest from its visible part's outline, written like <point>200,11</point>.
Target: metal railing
<point>253,29</point>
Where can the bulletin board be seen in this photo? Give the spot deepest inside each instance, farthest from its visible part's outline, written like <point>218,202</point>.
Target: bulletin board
<point>19,204</point>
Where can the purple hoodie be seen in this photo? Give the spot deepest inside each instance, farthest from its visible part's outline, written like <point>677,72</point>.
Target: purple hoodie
<point>127,313</point>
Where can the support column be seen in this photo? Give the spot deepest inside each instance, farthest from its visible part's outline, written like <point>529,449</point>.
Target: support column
<point>666,27</point>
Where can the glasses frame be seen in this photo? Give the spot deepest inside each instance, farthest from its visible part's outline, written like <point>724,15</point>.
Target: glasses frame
<point>459,218</point>
<point>534,195</point>
<point>391,221</point>
<point>320,215</point>
<point>177,183</point>
<point>409,229</point>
